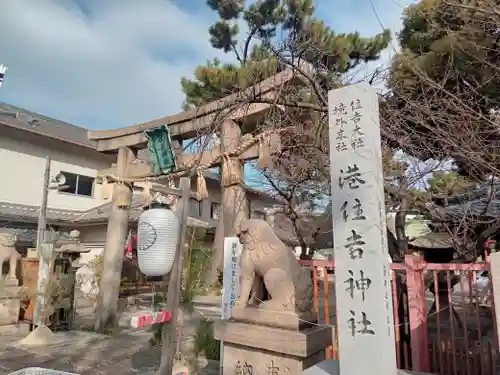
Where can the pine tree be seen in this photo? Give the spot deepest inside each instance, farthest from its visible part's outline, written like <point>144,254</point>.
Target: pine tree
<point>280,33</point>
<point>286,28</point>
<point>444,84</point>
<point>448,184</point>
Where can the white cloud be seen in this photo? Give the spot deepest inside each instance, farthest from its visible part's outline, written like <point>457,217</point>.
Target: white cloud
<point>119,67</point>
<point>119,62</point>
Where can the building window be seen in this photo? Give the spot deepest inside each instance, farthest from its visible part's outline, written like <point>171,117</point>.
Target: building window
<point>78,184</point>
<point>195,208</point>
<point>214,210</point>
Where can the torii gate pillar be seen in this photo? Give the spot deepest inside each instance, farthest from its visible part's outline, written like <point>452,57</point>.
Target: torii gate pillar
<point>234,200</point>
<point>116,234</point>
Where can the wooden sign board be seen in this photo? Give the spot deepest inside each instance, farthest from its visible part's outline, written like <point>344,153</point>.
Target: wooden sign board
<point>230,280</point>
<point>231,275</point>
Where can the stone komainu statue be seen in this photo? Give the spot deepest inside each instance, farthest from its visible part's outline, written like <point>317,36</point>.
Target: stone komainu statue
<point>266,260</point>
<point>8,253</point>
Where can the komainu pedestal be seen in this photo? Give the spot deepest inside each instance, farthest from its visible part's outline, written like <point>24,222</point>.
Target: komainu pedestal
<point>251,349</point>
<point>272,330</point>
<point>10,302</point>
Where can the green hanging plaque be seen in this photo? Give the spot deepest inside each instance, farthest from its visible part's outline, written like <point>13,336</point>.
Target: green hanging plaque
<point>160,149</point>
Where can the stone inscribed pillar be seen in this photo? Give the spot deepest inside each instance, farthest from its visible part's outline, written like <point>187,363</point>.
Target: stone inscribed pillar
<point>278,335</point>
<point>362,273</point>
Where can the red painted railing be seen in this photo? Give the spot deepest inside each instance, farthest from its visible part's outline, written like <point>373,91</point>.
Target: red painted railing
<point>451,332</point>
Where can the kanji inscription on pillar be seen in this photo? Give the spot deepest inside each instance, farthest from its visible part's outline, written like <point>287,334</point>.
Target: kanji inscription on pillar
<point>364,298</point>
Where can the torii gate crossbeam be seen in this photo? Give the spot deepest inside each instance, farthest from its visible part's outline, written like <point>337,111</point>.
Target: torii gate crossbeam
<point>224,114</point>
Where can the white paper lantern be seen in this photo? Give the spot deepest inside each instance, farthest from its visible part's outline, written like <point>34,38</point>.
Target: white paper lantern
<point>157,239</point>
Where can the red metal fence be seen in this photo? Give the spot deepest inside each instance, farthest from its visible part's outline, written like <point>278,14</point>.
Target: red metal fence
<point>443,315</point>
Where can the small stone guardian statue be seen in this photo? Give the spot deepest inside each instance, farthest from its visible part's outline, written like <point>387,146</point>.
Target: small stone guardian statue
<point>265,258</point>
<point>9,253</point>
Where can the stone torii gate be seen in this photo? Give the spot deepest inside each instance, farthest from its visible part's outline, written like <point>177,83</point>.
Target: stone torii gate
<point>223,116</point>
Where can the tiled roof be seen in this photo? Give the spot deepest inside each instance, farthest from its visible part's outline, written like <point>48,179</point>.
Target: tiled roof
<point>22,213</point>
<point>36,123</point>
<point>23,235</point>
<point>475,208</point>
<point>102,212</point>
<point>28,236</point>
<point>484,202</point>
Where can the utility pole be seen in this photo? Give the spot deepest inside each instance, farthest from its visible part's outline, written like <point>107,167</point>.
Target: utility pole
<point>44,259</point>
<point>42,217</point>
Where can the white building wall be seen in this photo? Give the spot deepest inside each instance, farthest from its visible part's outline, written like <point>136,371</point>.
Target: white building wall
<point>22,165</point>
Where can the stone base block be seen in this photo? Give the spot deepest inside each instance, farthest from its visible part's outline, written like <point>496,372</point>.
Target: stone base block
<point>10,281</point>
<point>268,350</point>
<point>9,305</point>
<point>238,360</point>
<point>261,316</point>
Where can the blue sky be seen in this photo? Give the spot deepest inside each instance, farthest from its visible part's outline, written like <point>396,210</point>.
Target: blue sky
<point>109,63</point>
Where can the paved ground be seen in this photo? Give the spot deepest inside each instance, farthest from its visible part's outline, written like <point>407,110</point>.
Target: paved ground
<point>127,353</point>
<point>86,353</point>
